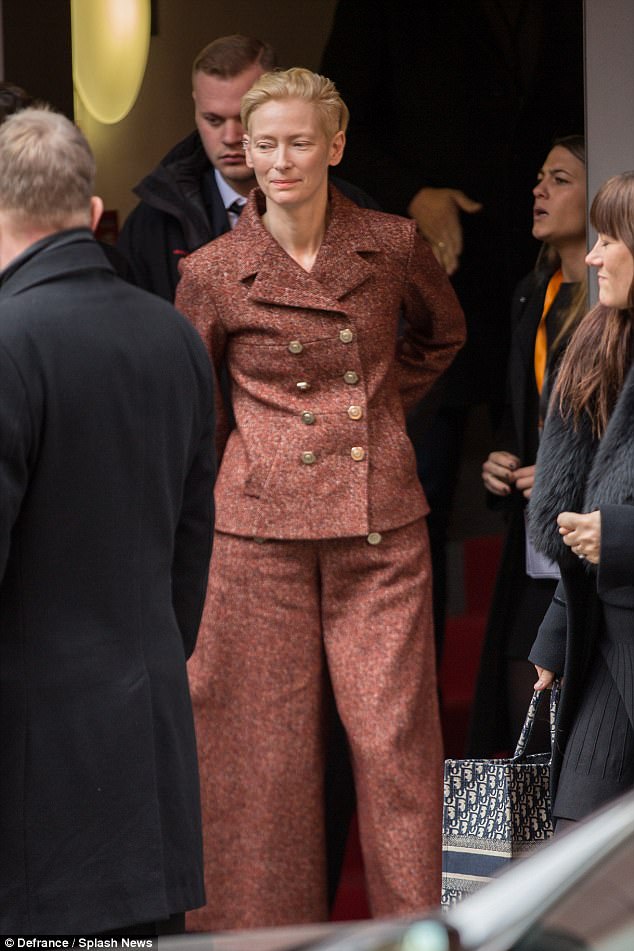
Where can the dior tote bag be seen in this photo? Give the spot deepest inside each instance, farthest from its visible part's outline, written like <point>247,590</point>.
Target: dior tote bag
<point>495,810</point>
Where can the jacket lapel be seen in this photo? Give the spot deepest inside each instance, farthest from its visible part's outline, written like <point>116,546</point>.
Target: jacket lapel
<point>522,357</point>
<point>278,279</point>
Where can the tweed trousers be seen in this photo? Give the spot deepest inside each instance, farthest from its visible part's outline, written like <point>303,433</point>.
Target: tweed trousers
<point>277,613</point>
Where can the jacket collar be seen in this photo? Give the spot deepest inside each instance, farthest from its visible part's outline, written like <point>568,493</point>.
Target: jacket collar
<point>174,188</point>
<point>68,251</point>
<point>575,473</point>
<point>339,268</point>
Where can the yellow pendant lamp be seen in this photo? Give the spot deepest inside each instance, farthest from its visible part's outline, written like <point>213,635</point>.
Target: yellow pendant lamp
<point>110,42</point>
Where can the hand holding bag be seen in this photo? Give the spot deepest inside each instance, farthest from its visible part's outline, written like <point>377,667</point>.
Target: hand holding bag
<point>495,810</point>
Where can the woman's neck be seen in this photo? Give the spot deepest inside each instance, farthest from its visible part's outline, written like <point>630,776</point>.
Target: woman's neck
<point>299,230</point>
<point>573,261</point>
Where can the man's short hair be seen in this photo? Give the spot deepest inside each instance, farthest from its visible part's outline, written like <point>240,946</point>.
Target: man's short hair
<point>47,170</point>
<point>228,56</point>
<point>12,99</point>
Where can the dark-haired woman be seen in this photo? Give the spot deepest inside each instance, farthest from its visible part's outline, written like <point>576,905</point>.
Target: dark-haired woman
<point>582,515</point>
<point>547,305</point>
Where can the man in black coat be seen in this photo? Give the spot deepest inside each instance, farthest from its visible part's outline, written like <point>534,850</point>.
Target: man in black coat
<point>106,471</point>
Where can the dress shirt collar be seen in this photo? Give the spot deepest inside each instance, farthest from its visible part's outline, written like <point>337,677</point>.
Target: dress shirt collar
<point>229,196</point>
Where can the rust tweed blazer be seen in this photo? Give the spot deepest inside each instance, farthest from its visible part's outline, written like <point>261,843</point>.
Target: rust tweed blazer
<point>322,366</point>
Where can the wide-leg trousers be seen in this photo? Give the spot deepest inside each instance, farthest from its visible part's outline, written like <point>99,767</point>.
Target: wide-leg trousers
<point>278,612</point>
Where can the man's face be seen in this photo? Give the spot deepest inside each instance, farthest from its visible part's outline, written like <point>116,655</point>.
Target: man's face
<point>217,114</point>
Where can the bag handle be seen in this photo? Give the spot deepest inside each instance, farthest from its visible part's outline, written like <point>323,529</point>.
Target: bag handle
<point>527,729</point>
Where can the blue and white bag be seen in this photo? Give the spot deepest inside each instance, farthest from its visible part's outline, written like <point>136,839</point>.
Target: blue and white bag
<point>495,811</point>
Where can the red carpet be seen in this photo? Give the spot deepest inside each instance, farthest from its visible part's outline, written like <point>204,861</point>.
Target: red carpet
<point>463,642</point>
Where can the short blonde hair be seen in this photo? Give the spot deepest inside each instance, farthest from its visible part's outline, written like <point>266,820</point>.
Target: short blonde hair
<point>47,170</point>
<point>298,83</point>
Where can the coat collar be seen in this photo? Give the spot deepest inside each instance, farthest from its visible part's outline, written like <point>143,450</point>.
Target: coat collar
<point>575,473</point>
<point>64,252</point>
<point>339,268</point>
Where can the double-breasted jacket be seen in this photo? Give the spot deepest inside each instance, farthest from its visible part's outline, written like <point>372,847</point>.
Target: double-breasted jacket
<point>320,376</point>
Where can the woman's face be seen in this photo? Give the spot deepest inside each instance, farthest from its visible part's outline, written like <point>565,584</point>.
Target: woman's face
<point>289,152</point>
<point>615,271</point>
<point>559,208</point>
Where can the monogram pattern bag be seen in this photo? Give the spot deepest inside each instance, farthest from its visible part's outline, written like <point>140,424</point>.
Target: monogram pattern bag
<point>495,810</point>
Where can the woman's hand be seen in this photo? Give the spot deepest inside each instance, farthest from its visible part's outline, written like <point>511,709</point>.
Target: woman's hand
<point>545,679</point>
<point>498,472</point>
<point>582,534</point>
<point>437,213</point>
<point>524,479</point>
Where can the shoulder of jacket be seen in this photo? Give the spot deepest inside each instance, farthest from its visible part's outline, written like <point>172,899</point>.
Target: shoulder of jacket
<point>216,253</point>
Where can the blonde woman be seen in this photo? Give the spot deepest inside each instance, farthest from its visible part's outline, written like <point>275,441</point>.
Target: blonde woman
<point>321,564</point>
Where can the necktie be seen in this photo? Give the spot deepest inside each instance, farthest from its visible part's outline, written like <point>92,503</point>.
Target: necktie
<point>236,207</point>
<point>541,339</point>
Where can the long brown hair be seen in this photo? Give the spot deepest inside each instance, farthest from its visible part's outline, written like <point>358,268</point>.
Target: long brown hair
<point>599,354</point>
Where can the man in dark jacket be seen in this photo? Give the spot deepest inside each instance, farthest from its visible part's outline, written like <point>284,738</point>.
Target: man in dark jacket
<point>197,191</point>
<point>106,471</point>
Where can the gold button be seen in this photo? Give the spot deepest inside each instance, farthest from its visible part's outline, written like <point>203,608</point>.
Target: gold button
<point>355,412</point>
<point>357,453</point>
<point>295,346</point>
<point>346,335</point>
<point>303,386</point>
<point>375,538</point>
<point>351,377</point>
<point>308,418</point>
<point>308,458</point>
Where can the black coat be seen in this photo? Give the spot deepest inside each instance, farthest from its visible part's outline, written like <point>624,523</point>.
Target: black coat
<point>435,99</point>
<point>181,210</point>
<point>518,435</point>
<point>576,474</point>
<point>106,469</point>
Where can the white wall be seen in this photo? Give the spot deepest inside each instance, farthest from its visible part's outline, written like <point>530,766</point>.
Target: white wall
<point>609,55</point>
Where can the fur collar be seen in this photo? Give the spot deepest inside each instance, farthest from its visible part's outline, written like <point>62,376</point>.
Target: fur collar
<point>575,473</point>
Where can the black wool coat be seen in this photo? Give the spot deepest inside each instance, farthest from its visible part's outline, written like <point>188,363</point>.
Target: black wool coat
<point>575,473</point>
<point>106,470</point>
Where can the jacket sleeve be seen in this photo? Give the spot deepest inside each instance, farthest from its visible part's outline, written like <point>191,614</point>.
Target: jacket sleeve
<point>16,438</point>
<point>549,649</point>
<point>194,300</point>
<point>433,321</point>
<point>616,562</point>
<point>194,533</point>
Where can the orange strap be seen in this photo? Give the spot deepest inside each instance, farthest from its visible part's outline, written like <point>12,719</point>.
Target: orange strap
<point>541,338</point>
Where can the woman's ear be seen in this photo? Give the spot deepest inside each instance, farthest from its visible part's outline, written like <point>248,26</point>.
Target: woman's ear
<point>246,145</point>
<point>337,146</point>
